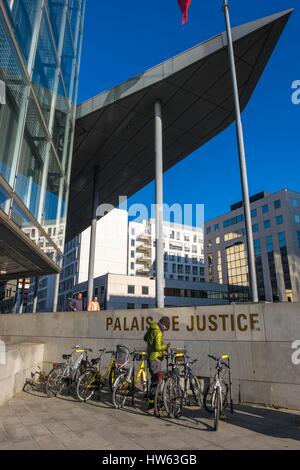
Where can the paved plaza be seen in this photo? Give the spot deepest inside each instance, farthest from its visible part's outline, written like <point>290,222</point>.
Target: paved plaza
<point>32,421</point>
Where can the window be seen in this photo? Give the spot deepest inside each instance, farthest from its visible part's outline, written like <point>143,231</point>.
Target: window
<point>267,223</point>
<point>217,227</point>
<point>131,289</point>
<point>172,234</point>
<point>257,247</point>
<point>279,220</point>
<point>208,230</point>
<point>298,238</point>
<point>218,241</point>
<point>131,265</point>
<point>178,258</point>
<point>187,278</point>
<point>132,254</point>
<point>297,218</point>
<point>173,268</point>
<point>195,271</point>
<point>133,232</point>
<point>130,307</point>
<point>269,244</point>
<point>265,209</point>
<point>281,239</point>
<point>145,290</point>
<point>187,270</point>
<point>166,267</point>
<point>172,256</point>
<point>177,235</point>
<point>294,203</point>
<point>194,249</point>
<point>277,204</point>
<point>133,243</point>
<point>187,248</point>
<point>186,259</point>
<point>255,228</point>
<point>233,221</point>
<point>180,278</point>
<point>145,306</point>
<point>186,237</point>
<point>180,268</point>
<point>254,213</point>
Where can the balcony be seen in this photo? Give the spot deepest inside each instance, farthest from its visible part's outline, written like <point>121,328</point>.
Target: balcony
<point>143,258</point>
<point>143,271</point>
<point>143,247</point>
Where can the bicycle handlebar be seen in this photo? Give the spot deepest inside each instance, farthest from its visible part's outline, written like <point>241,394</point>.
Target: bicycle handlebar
<point>219,361</point>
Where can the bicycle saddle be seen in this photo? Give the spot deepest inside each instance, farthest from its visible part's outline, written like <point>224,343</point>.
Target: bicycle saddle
<point>66,356</point>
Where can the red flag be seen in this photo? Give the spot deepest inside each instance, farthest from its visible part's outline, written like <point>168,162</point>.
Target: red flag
<point>184,6</point>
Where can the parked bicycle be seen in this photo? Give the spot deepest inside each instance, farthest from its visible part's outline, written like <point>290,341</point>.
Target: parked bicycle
<point>169,394</point>
<point>126,385</point>
<point>191,383</point>
<point>92,380</point>
<point>36,382</point>
<point>64,375</point>
<point>216,396</point>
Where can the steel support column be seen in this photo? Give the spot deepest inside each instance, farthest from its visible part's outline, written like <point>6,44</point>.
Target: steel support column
<point>160,295</point>
<point>93,238</point>
<point>242,160</point>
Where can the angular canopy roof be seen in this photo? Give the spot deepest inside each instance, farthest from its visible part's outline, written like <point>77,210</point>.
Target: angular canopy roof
<point>115,130</point>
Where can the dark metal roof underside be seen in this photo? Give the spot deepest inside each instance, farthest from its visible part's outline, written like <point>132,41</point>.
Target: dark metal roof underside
<point>115,130</point>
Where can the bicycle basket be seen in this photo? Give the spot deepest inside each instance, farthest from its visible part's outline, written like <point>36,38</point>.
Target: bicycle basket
<point>122,355</point>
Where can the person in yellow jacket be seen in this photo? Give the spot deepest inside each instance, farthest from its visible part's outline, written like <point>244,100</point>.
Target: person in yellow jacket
<point>156,349</point>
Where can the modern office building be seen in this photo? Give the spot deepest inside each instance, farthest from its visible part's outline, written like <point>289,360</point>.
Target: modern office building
<point>40,48</point>
<point>122,292</point>
<point>276,230</point>
<point>183,251</point>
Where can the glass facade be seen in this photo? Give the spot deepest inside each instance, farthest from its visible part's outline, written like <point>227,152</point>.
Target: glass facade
<point>40,48</point>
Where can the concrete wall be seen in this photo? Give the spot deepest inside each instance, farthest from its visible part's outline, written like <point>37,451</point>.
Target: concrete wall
<point>16,365</point>
<point>261,340</point>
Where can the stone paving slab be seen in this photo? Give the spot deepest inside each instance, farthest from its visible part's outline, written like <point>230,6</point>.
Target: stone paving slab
<point>35,422</point>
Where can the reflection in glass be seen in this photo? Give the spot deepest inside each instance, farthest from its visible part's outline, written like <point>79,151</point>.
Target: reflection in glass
<point>30,170</point>
<point>44,68</point>
<point>60,117</point>
<point>4,199</point>
<point>10,74</point>
<point>22,14</point>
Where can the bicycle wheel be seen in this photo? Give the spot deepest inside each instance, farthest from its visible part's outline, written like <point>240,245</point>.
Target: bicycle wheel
<point>121,391</point>
<point>86,385</point>
<point>55,382</point>
<point>196,391</point>
<point>207,399</point>
<point>112,378</point>
<point>216,401</point>
<point>159,400</point>
<point>172,397</point>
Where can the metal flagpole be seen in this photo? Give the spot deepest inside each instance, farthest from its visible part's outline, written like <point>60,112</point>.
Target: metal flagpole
<point>242,159</point>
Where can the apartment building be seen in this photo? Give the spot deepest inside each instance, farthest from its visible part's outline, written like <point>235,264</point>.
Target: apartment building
<point>276,232</point>
<point>183,251</point>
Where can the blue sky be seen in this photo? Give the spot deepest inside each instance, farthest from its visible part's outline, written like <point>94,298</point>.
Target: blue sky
<point>123,38</point>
